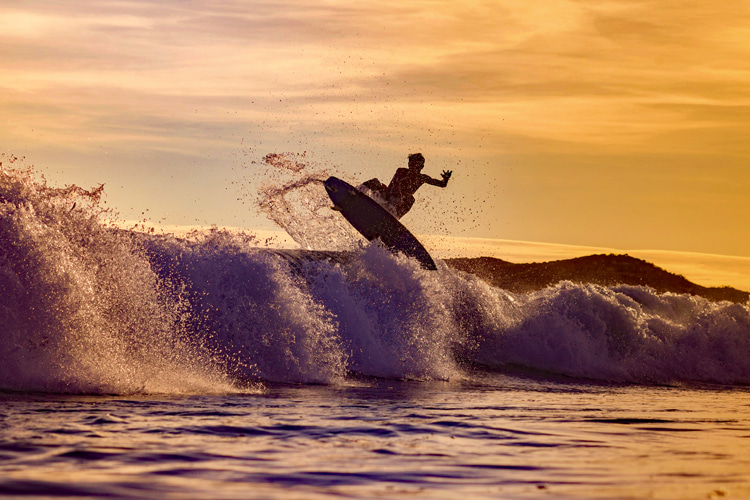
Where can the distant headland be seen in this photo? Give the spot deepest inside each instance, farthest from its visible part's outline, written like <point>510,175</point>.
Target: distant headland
<point>606,270</point>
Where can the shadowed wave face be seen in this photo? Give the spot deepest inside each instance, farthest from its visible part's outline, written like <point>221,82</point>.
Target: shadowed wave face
<point>89,309</point>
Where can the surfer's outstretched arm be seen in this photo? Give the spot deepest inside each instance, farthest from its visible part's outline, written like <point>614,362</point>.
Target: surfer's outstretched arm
<point>446,175</point>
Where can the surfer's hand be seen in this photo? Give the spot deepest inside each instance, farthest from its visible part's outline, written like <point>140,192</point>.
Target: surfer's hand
<point>447,174</point>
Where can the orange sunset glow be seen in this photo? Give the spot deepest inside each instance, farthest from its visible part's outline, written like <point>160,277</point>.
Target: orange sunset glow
<point>617,125</point>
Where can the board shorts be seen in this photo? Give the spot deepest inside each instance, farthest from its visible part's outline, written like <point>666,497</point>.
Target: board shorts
<point>377,191</point>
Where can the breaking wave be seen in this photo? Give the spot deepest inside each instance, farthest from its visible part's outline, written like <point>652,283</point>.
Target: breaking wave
<point>89,308</point>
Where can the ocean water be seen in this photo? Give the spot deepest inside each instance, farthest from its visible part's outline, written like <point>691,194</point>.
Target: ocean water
<point>494,437</point>
<point>136,365</point>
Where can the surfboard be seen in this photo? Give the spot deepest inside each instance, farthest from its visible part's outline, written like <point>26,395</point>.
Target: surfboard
<point>375,222</point>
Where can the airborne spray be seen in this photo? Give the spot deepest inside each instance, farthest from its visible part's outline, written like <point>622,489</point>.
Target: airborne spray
<point>81,311</point>
<point>294,198</point>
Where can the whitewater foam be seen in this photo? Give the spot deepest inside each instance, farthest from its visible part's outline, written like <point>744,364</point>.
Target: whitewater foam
<point>249,306</point>
<point>623,334</point>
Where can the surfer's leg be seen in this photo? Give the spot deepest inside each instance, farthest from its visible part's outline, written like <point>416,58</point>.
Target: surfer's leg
<point>403,206</point>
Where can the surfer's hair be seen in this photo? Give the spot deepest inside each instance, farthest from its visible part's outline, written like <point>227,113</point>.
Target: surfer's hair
<point>416,157</point>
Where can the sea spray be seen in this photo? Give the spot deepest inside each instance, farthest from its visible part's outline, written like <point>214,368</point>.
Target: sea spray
<point>390,312</point>
<point>81,311</point>
<point>249,305</point>
<point>294,198</point>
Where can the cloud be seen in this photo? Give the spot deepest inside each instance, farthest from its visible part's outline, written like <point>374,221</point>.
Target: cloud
<point>566,71</point>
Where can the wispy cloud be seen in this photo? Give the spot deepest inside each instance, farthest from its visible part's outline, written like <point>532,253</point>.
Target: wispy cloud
<point>602,70</point>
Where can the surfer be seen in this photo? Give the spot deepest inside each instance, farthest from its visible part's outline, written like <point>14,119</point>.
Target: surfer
<point>399,194</point>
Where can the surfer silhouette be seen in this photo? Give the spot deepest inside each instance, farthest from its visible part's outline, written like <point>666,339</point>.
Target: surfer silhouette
<point>398,196</point>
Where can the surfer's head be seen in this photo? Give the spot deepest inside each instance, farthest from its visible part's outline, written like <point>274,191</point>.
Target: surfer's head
<point>416,161</point>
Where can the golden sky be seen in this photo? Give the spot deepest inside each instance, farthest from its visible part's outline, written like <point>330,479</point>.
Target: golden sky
<point>618,124</point>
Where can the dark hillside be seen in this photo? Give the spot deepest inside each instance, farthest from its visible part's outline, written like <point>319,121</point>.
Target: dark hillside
<point>604,270</point>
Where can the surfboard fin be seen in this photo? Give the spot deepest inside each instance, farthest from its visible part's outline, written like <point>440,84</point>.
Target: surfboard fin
<point>337,208</point>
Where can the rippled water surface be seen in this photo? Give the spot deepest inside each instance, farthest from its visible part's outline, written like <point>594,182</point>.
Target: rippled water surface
<point>497,436</point>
